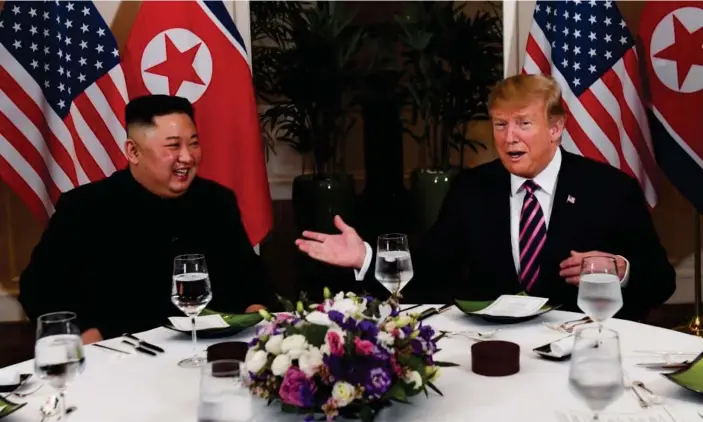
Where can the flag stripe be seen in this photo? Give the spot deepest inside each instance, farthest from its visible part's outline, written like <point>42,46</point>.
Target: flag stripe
<point>100,105</point>
<point>33,157</point>
<point>91,142</point>
<point>87,161</point>
<point>676,137</point>
<point>98,130</point>
<point>22,101</point>
<point>22,178</point>
<point>236,42</point>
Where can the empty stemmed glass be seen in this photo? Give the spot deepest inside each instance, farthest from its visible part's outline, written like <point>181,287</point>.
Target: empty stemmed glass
<point>600,293</point>
<point>394,267</point>
<point>596,374</point>
<point>58,352</point>
<point>191,292</point>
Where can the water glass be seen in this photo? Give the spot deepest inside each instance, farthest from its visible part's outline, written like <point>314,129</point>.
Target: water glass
<point>191,292</point>
<point>596,373</point>
<point>600,293</point>
<point>58,352</point>
<point>223,396</point>
<point>394,267</point>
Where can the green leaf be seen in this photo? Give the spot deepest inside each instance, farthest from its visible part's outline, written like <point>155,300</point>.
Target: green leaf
<point>397,393</point>
<point>366,414</point>
<point>7,407</point>
<point>691,377</point>
<point>446,364</point>
<point>412,362</point>
<point>315,334</point>
<point>289,408</point>
<point>237,320</point>
<point>432,386</point>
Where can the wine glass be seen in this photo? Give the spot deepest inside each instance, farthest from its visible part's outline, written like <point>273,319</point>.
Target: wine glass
<point>58,352</point>
<point>223,396</point>
<point>596,373</point>
<point>394,267</point>
<point>191,292</point>
<point>600,293</point>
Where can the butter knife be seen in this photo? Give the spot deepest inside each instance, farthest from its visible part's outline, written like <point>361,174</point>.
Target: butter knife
<point>435,311</point>
<point>139,348</point>
<point>144,343</point>
<point>110,348</point>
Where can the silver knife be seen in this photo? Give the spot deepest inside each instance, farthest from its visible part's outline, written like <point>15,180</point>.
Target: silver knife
<point>435,311</point>
<point>144,343</point>
<point>110,348</point>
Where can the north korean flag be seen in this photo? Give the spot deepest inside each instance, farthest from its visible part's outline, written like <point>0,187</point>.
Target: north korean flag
<point>671,38</point>
<point>193,49</point>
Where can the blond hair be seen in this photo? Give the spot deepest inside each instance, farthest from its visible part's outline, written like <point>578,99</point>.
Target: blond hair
<point>524,89</point>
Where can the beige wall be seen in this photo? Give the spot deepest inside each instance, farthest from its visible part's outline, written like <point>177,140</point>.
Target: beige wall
<point>673,217</point>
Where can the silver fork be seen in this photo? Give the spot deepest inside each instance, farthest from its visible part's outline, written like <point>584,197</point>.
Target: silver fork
<point>568,326</point>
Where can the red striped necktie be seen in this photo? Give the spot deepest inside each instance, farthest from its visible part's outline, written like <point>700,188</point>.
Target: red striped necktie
<point>533,234</point>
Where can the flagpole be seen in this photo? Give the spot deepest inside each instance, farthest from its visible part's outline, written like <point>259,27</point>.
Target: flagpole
<point>694,326</point>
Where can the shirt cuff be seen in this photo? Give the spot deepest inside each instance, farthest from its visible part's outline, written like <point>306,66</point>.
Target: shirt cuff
<point>359,274</point>
<point>626,277</point>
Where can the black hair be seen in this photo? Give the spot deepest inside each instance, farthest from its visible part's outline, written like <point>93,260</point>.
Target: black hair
<point>142,110</point>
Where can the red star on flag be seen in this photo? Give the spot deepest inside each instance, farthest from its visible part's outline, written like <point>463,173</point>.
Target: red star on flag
<point>680,50</point>
<point>178,66</point>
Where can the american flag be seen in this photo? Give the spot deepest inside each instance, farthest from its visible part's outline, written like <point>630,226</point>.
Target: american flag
<point>587,47</point>
<point>62,99</point>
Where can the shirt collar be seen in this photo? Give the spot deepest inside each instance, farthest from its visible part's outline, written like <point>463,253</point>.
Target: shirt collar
<point>546,179</point>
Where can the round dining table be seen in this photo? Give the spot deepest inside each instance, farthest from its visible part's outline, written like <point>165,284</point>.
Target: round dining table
<point>136,387</point>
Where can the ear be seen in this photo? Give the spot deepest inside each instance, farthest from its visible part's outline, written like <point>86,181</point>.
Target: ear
<point>132,151</point>
<point>555,129</point>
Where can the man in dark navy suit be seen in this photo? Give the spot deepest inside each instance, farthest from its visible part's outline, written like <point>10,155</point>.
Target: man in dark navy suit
<point>525,221</point>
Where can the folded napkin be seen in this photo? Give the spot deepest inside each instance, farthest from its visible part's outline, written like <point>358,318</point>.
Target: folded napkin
<point>201,322</point>
<point>9,377</point>
<point>562,347</point>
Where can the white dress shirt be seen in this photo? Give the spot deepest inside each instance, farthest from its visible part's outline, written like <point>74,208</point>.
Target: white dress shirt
<point>547,182</point>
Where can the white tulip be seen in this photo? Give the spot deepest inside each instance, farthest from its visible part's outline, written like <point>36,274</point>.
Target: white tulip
<point>273,345</point>
<point>280,365</point>
<point>310,361</point>
<point>294,345</point>
<point>257,361</point>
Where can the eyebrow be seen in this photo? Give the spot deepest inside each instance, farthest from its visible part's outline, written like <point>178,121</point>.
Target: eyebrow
<point>178,138</point>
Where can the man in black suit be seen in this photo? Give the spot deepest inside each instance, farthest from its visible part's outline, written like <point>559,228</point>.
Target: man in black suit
<point>107,253</point>
<point>525,222</point>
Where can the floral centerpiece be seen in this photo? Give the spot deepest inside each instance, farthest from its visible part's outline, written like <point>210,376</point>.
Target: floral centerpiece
<point>350,355</point>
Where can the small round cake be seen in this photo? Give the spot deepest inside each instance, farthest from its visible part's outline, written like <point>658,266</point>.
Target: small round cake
<point>495,358</point>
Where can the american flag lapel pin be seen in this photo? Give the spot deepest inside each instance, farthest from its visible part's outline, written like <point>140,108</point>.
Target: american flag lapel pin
<point>570,199</point>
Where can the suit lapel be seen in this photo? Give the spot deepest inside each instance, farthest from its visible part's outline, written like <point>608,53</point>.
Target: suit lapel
<point>500,204</point>
<point>564,206</point>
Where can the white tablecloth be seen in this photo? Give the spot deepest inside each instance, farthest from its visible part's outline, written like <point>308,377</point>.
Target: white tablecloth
<point>141,388</point>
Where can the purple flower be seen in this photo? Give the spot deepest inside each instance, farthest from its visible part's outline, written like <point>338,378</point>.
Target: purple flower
<point>407,330</point>
<point>369,330</point>
<point>379,381</point>
<point>336,317</point>
<point>253,342</point>
<point>426,332</point>
<point>379,353</point>
<point>419,345</point>
<point>395,311</point>
<point>297,389</point>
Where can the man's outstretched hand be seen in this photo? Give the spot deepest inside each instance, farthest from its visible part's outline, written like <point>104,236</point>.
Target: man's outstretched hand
<point>345,249</point>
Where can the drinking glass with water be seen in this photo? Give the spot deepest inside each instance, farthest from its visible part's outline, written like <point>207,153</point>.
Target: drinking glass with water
<point>223,396</point>
<point>600,293</point>
<point>596,373</point>
<point>191,292</point>
<point>394,267</point>
<point>58,352</point>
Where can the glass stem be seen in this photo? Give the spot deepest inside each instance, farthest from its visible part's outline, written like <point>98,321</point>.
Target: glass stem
<point>195,343</point>
<point>62,405</point>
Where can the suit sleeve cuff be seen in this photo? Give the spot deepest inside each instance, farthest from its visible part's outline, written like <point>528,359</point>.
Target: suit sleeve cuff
<point>626,277</point>
<point>359,274</point>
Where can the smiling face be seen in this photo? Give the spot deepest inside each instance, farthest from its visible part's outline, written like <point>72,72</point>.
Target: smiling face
<point>164,157</point>
<point>528,121</point>
<point>525,139</point>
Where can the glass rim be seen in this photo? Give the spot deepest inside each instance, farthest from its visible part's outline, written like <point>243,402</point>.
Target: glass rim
<point>189,257</point>
<point>598,257</point>
<point>392,236</point>
<point>69,316</point>
<point>596,332</point>
<point>236,368</point>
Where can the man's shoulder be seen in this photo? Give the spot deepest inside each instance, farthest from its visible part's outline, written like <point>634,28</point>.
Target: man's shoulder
<point>210,190</point>
<point>484,175</point>
<point>94,193</point>
<point>596,172</point>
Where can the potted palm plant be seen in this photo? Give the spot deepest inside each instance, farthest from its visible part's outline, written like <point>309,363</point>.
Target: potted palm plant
<point>306,74</point>
<point>452,60</point>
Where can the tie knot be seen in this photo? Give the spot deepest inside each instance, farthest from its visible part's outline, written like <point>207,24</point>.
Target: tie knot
<point>530,186</point>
